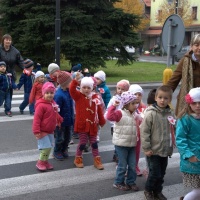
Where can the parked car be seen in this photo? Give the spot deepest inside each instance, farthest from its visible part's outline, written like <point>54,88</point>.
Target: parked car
<point>181,53</point>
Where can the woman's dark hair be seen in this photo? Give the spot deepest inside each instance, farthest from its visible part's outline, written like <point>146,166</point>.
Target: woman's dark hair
<point>4,37</point>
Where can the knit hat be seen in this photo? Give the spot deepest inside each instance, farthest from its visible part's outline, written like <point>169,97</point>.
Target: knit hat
<point>95,81</point>
<point>135,88</point>
<point>48,87</point>
<point>193,95</point>
<point>101,75</point>
<point>87,81</point>
<point>52,68</point>
<point>2,63</point>
<point>124,84</point>
<point>64,78</point>
<point>76,68</point>
<point>38,74</point>
<point>127,97</point>
<point>151,97</point>
<point>28,63</point>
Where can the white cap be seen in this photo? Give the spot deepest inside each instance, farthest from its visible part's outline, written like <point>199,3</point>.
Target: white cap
<point>38,74</point>
<point>101,75</point>
<point>135,88</point>
<point>193,95</point>
<point>87,81</point>
<point>53,67</point>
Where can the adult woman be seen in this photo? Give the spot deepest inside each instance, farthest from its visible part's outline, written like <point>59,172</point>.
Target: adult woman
<point>188,72</point>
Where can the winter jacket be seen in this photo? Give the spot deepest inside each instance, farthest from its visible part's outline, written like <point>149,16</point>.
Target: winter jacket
<point>12,57</point>
<point>46,117</point>
<point>27,81</point>
<point>65,103</point>
<point>155,131</point>
<point>125,131</point>
<point>6,83</point>
<point>89,114</point>
<point>188,143</point>
<point>105,92</point>
<point>36,92</point>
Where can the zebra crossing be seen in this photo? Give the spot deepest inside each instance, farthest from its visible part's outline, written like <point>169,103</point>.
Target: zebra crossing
<point>19,178</point>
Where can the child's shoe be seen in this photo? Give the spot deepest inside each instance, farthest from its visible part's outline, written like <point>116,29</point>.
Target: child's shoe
<point>48,165</point>
<point>122,186</point>
<point>78,161</point>
<point>148,195</point>
<point>65,154</point>
<point>41,165</point>
<point>159,196</point>
<point>9,114</point>
<point>97,163</point>
<point>58,156</point>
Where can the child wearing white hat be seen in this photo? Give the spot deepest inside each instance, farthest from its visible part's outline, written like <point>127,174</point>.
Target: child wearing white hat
<point>187,142</point>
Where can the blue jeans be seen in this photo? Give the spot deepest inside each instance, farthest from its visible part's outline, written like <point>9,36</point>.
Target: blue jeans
<point>157,168</point>
<point>5,97</point>
<point>25,102</point>
<point>126,157</point>
<point>62,138</point>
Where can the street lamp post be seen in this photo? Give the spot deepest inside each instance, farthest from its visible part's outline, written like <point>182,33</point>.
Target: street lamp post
<point>57,33</point>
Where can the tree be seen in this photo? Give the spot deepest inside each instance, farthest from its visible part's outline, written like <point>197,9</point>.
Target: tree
<point>134,7</point>
<point>168,8</point>
<point>91,31</point>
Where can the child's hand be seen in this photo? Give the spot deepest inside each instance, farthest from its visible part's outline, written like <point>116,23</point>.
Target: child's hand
<point>116,103</point>
<point>149,153</point>
<point>193,159</point>
<point>78,76</point>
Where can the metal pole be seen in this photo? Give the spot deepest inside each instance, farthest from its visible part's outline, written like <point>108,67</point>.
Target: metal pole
<point>57,33</point>
<point>169,43</point>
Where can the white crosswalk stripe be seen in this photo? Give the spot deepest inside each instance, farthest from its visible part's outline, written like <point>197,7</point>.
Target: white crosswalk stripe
<point>37,182</point>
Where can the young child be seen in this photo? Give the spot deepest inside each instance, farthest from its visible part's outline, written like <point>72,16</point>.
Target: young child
<point>104,91</point>
<point>138,91</point>
<point>157,144</point>
<point>6,84</point>
<point>53,70</point>
<point>89,116</point>
<point>65,103</point>
<point>36,91</point>
<point>125,139</point>
<point>44,123</point>
<point>187,141</point>
<point>26,79</point>
<point>122,86</point>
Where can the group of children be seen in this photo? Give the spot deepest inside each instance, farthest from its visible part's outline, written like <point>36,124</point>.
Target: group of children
<point>84,104</point>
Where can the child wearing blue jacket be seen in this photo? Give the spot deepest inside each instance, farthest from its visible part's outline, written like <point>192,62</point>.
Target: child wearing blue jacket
<point>6,84</point>
<point>65,103</point>
<point>188,143</point>
<point>26,79</point>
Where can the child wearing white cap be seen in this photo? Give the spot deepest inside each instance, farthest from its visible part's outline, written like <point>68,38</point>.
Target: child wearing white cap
<point>89,116</point>
<point>138,91</point>
<point>187,142</point>
<point>36,91</point>
<point>103,90</point>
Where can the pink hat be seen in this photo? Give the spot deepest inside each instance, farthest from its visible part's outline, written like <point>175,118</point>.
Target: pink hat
<point>193,95</point>
<point>48,87</point>
<point>127,97</point>
<point>124,84</point>
<point>64,78</point>
<point>95,81</point>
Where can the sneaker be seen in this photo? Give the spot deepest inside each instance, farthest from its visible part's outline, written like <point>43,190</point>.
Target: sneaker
<point>41,165</point>
<point>48,165</point>
<point>58,156</point>
<point>159,196</point>
<point>148,195</point>
<point>9,114</point>
<point>78,161</point>
<point>65,154</point>
<point>21,112</point>
<point>121,186</point>
<point>134,187</point>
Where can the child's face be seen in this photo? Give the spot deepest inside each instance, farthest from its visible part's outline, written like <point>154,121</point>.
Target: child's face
<point>41,79</point>
<point>2,68</point>
<point>139,96</point>
<point>49,96</point>
<point>86,90</point>
<point>133,105</point>
<point>120,90</point>
<point>195,106</point>
<point>163,99</point>
<point>31,68</point>
<point>99,81</point>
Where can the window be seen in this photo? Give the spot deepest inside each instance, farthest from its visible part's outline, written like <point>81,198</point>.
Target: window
<point>194,13</point>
